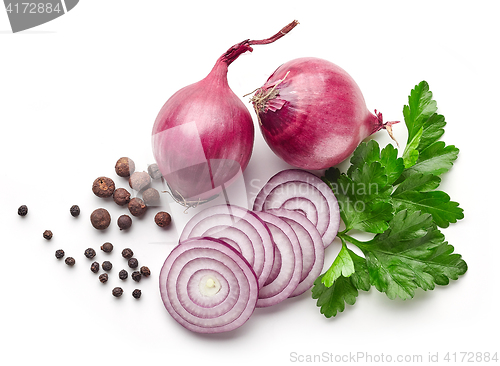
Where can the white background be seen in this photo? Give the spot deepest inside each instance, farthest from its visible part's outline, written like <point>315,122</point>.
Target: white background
<point>80,92</point>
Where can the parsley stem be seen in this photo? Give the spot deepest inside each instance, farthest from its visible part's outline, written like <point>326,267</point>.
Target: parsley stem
<point>344,237</point>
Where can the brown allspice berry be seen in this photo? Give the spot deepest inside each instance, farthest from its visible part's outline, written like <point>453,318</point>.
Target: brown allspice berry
<point>103,187</point>
<point>139,181</point>
<point>107,247</point>
<point>103,278</point>
<point>124,222</point>
<point>70,261</point>
<point>133,263</point>
<point>137,293</point>
<point>117,292</point>
<point>151,197</point>
<point>47,234</point>
<point>124,167</point>
<point>163,219</point>
<point>127,253</point>
<point>121,196</point>
<point>137,207</point>
<point>100,218</point>
<point>154,171</point>
<point>145,271</point>
<point>22,210</point>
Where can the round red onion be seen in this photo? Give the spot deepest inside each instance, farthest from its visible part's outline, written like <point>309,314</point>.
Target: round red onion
<point>288,263</point>
<point>207,286</point>
<point>203,136</point>
<point>305,193</point>
<point>241,229</point>
<point>312,113</point>
<point>311,243</point>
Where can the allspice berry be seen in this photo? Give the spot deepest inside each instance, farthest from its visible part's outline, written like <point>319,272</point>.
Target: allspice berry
<point>154,171</point>
<point>107,247</point>
<point>121,196</point>
<point>74,210</point>
<point>139,181</point>
<point>151,197</point>
<point>47,234</point>
<point>124,222</point>
<point>103,187</point>
<point>163,219</point>
<point>22,210</point>
<point>137,207</point>
<point>100,218</point>
<point>124,167</point>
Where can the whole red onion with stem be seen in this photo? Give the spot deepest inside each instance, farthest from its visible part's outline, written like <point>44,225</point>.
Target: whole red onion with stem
<point>203,136</point>
<point>313,115</point>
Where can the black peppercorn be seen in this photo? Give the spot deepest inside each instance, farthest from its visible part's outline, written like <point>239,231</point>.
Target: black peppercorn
<point>94,267</point>
<point>117,292</point>
<point>103,278</point>
<point>124,167</point>
<point>133,263</point>
<point>145,271</point>
<point>22,210</point>
<point>124,222</point>
<point>137,294</point>
<point>137,207</point>
<point>70,261</point>
<point>103,187</point>
<point>123,274</point>
<point>100,218</point>
<point>59,253</point>
<point>163,219</point>
<point>47,234</point>
<point>89,253</point>
<point>106,265</point>
<point>136,276</point>
<point>151,197</point>
<point>154,171</point>
<point>139,180</point>
<point>107,247</point>
<point>74,210</point>
<point>127,253</point>
<point>121,196</point>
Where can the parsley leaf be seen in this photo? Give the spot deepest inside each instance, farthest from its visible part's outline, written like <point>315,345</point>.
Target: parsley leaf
<point>412,253</point>
<point>395,198</point>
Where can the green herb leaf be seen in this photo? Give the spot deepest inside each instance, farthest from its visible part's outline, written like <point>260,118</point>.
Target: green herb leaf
<point>436,159</point>
<point>341,266</point>
<point>412,253</point>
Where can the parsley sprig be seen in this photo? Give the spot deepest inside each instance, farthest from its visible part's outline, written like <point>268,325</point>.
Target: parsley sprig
<point>396,199</point>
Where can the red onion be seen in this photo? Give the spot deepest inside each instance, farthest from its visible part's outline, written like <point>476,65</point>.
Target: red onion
<point>313,115</point>
<point>207,286</point>
<point>241,229</point>
<point>203,136</point>
<point>305,193</point>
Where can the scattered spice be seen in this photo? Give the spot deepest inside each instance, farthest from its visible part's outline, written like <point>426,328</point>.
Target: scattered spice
<point>139,181</point>
<point>123,274</point>
<point>47,234</point>
<point>107,247</point>
<point>133,263</point>
<point>137,294</point>
<point>121,196</point>
<point>117,292</point>
<point>124,222</point>
<point>22,210</point>
<point>103,278</point>
<point>74,211</point>
<point>103,187</point>
<point>94,267</point>
<point>89,253</point>
<point>136,276</point>
<point>124,167</point>
<point>145,271</point>
<point>106,265</point>
<point>59,253</point>
<point>100,218</point>
<point>163,219</point>
<point>154,171</point>
<point>70,261</point>
<point>151,197</point>
<point>127,253</point>
<point>137,207</point>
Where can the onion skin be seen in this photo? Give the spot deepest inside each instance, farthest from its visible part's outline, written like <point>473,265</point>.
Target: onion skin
<point>203,136</point>
<point>316,116</point>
